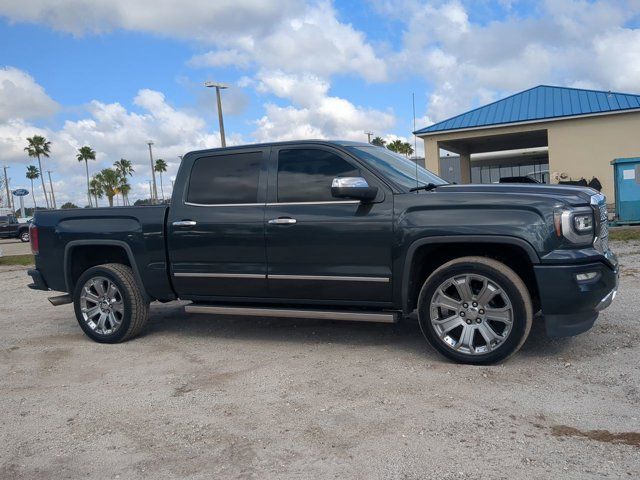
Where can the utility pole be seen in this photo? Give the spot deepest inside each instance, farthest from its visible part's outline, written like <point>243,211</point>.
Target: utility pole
<point>150,191</point>
<point>218,87</point>
<point>53,196</point>
<point>154,192</point>
<point>368,134</point>
<point>6,184</point>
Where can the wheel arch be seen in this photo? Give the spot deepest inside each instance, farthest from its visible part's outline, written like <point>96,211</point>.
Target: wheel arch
<point>427,254</point>
<point>112,251</point>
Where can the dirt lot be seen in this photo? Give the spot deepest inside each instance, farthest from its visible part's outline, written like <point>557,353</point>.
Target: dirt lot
<point>202,397</point>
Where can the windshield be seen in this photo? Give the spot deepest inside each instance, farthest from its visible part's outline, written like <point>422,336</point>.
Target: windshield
<point>397,168</point>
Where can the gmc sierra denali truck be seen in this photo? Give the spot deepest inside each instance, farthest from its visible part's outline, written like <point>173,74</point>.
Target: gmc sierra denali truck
<point>337,231</point>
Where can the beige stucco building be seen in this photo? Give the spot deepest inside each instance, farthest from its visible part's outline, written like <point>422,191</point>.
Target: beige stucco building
<point>552,134</point>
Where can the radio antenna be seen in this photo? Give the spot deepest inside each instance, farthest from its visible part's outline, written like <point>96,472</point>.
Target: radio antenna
<point>415,141</point>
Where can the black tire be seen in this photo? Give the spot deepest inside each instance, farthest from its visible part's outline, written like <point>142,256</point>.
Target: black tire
<point>507,279</point>
<point>136,308</point>
<point>24,236</point>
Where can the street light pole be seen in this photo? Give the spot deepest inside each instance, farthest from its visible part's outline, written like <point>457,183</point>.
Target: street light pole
<point>6,184</point>
<point>154,192</point>
<point>368,134</point>
<point>53,196</point>
<point>218,87</point>
<point>150,191</point>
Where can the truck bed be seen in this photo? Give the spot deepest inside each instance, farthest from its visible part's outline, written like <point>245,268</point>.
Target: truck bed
<point>137,232</point>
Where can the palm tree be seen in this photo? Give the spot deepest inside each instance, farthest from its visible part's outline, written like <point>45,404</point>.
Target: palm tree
<point>125,188</point>
<point>378,142</point>
<point>407,149</point>
<point>39,146</point>
<point>110,183</point>
<point>160,167</point>
<point>84,155</point>
<point>95,188</point>
<point>124,168</point>
<point>32,174</point>
<point>395,146</point>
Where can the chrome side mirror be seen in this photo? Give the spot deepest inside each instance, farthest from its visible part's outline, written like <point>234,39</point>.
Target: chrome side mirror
<point>355,188</point>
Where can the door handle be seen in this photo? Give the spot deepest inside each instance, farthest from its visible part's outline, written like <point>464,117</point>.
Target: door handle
<point>184,223</point>
<point>282,221</point>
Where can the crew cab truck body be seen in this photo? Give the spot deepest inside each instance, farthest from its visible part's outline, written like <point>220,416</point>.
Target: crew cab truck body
<point>341,231</point>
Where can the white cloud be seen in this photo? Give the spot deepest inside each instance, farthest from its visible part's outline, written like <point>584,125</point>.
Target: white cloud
<point>113,132</point>
<point>204,20</point>
<point>567,42</point>
<point>22,97</point>
<point>309,42</point>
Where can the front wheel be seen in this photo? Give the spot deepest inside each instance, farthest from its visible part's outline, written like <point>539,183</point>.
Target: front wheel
<point>110,306</point>
<point>475,310</point>
<point>24,236</point>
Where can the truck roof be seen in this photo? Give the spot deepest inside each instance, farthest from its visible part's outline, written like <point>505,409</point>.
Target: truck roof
<point>339,143</point>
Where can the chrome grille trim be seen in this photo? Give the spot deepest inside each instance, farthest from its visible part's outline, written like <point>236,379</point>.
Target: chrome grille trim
<point>601,241</point>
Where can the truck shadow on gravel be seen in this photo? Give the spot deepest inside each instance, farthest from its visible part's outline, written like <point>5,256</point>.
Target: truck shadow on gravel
<point>172,321</point>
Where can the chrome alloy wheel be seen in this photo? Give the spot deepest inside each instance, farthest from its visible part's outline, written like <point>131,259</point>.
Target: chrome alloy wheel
<point>471,314</point>
<point>102,305</point>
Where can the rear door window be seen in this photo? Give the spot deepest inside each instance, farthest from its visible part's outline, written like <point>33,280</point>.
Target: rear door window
<point>225,179</point>
<point>305,175</point>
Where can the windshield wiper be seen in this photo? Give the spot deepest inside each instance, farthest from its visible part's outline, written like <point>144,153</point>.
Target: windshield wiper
<point>427,187</point>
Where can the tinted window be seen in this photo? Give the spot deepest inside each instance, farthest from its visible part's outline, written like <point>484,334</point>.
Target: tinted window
<point>4,219</point>
<point>305,175</point>
<point>225,179</point>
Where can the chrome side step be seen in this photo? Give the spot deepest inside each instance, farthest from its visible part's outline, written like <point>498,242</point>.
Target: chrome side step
<point>381,317</point>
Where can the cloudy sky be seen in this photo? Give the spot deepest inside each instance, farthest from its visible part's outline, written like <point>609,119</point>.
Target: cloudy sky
<point>113,74</point>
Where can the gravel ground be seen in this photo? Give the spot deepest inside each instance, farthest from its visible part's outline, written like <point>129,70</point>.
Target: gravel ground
<point>202,397</point>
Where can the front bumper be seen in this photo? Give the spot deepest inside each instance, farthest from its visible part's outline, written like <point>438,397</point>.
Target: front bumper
<point>571,306</point>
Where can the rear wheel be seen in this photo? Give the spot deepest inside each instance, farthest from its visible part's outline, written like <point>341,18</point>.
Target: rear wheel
<point>475,310</point>
<point>24,236</point>
<point>109,305</point>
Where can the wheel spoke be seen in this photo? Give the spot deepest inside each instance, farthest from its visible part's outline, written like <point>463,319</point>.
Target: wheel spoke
<point>466,338</point>
<point>499,315</point>
<point>91,312</point>
<point>487,293</point>
<point>464,288</point>
<point>101,320</point>
<point>113,321</point>
<point>90,296</point>
<point>111,290</point>
<point>449,323</point>
<point>99,286</point>
<point>444,301</point>
<point>488,334</point>
<point>118,307</point>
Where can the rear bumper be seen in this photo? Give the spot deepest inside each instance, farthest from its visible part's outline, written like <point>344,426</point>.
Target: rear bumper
<point>571,306</point>
<point>38,280</point>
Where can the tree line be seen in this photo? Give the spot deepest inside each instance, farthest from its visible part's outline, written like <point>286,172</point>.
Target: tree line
<point>397,146</point>
<point>108,182</point>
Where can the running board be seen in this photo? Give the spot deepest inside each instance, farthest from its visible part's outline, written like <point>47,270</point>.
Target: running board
<point>381,317</point>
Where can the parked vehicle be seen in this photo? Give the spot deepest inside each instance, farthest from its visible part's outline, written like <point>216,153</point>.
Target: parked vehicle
<point>337,231</point>
<point>11,228</point>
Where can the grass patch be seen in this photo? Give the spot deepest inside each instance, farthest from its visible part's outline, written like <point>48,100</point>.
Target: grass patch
<point>17,260</point>
<point>624,234</point>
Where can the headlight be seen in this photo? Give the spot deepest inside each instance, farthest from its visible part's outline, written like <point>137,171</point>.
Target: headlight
<point>583,222</point>
<point>577,225</point>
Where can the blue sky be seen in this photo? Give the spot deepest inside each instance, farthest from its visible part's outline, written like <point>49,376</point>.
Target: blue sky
<point>112,73</point>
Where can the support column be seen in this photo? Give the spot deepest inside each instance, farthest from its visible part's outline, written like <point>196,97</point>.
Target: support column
<point>465,167</point>
<point>432,155</point>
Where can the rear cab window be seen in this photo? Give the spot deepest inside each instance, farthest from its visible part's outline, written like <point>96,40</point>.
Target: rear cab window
<point>225,179</point>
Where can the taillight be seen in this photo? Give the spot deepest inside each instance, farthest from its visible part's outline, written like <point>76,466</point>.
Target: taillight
<point>33,238</point>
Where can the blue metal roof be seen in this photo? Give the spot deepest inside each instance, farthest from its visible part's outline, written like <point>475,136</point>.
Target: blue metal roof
<point>538,103</point>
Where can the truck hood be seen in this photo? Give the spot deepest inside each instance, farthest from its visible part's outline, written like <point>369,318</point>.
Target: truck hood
<point>565,193</point>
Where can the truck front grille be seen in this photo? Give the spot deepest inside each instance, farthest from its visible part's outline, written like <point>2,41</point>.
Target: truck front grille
<point>601,242</point>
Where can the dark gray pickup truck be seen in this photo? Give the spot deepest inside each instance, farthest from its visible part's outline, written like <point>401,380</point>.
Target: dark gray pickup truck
<point>338,231</point>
